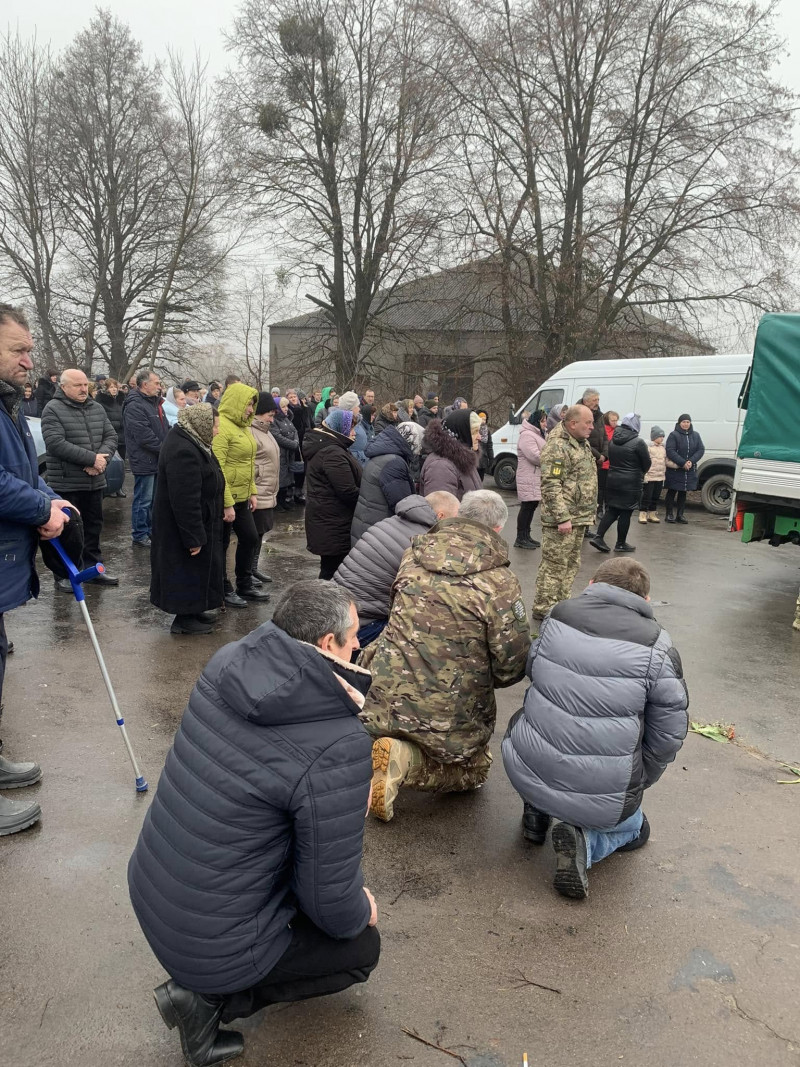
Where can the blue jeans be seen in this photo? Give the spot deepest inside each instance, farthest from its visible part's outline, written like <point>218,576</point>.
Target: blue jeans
<point>601,843</point>
<point>370,631</point>
<point>144,487</point>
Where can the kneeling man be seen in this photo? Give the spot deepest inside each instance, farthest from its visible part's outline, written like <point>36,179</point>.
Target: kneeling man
<point>456,632</point>
<point>246,878</point>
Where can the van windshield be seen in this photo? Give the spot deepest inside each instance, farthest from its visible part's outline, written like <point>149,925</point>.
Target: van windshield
<point>545,398</point>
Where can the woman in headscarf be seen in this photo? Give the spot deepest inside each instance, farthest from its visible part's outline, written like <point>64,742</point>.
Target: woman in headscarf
<point>451,451</point>
<point>288,440</point>
<point>557,413</point>
<point>174,401</point>
<point>529,475</point>
<point>685,449</point>
<point>186,556</point>
<point>365,433</point>
<point>629,461</point>
<point>333,480</point>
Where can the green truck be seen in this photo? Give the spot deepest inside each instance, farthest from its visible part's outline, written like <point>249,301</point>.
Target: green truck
<point>766,503</point>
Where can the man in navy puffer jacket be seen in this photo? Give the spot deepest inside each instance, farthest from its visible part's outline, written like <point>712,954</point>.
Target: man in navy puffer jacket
<point>605,713</point>
<point>246,878</point>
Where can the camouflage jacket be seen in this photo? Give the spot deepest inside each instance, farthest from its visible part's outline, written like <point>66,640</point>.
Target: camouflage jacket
<point>569,480</point>
<point>457,630</point>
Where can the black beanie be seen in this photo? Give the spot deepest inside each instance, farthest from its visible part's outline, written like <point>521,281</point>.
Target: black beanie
<point>266,403</point>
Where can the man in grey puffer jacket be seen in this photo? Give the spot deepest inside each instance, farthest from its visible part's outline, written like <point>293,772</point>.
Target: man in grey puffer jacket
<point>80,442</point>
<point>370,568</point>
<point>605,713</point>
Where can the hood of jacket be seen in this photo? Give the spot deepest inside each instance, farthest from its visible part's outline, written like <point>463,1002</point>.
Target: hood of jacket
<point>415,508</point>
<point>459,547</point>
<point>321,438</point>
<point>440,442</point>
<point>390,442</point>
<point>234,401</point>
<point>265,678</point>
<point>623,434</point>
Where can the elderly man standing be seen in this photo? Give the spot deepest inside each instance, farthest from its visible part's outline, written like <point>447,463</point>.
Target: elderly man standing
<point>80,441</point>
<point>146,427</point>
<point>247,876</point>
<point>456,632</point>
<point>569,502</point>
<point>29,510</point>
<point>598,439</point>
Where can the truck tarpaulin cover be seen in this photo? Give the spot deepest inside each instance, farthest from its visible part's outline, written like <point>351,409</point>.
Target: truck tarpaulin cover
<point>771,426</point>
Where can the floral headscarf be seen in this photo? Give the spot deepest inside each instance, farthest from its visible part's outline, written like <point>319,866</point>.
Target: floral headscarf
<point>198,420</point>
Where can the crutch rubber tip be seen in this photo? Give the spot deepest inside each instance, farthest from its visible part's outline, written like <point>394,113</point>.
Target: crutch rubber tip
<point>141,785</point>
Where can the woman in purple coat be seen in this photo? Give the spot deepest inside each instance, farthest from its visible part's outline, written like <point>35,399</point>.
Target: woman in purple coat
<point>529,475</point>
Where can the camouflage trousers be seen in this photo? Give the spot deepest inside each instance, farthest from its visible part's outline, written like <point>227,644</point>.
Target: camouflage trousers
<point>561,560</point>
<point>428,775</point>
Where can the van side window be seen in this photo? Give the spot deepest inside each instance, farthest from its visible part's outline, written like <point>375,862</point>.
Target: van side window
<point>546,399</point>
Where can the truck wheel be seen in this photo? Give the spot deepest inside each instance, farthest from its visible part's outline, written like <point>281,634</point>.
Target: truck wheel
<point>505,473</point>
<point>716,494</point>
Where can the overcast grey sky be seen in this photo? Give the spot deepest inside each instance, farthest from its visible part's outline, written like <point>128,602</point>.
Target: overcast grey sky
<point>187,25</point>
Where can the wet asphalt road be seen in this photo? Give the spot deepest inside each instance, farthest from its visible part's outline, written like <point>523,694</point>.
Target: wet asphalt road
<point>687,952</point>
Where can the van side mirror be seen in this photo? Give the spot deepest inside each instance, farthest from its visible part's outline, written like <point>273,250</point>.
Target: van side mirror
<point>514,420</point>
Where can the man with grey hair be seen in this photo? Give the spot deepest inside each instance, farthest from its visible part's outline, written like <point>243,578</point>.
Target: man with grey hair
<point>246,879</point>
<point>457,630</point>
<point>598,439</point>
<point>80,442</point>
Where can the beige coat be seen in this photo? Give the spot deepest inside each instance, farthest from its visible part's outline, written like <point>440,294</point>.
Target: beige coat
<point>658,463</point>
<point>268,465</point>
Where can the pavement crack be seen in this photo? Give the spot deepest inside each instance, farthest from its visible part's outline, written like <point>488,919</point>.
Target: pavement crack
<point>743,1013</point>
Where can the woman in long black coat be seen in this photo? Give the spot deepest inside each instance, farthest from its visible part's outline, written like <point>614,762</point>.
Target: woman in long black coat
<point>629,461</point>
<point>333,481</point>
<point>186,557</point>
<point>685,449</point>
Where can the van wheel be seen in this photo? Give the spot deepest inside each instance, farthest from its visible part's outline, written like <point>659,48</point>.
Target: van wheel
<point>505,473</point>
<point>716,494</point>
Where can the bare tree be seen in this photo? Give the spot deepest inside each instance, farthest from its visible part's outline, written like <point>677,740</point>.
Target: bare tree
<point>624,157</point>
<point>343,115</point>
<point>253,308</point>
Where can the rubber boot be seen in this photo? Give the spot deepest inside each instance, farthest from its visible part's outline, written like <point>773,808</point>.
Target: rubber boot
<point>197,1019</point>
<point>18,775</point>
<point>17,815</point>
<point>642,516</point>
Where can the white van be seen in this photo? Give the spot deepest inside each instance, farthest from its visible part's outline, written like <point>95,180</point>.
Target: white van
<point>659,390</point>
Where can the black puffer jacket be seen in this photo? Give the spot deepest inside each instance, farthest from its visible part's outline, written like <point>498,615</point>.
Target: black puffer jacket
<point>681,446</point>
<point>74,433</point>
<point>385,482</point>
<point>629,461</point>
<point>288,439</point>
<point>333,480</point>
<point>598,440</point>
<point>145,429</point>
<point>259,814</point>
<point>605,713</point>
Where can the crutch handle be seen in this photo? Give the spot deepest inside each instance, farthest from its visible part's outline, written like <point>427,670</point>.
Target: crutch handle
<point>76,577</point>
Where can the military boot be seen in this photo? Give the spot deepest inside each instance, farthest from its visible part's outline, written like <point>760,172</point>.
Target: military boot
<point>197,1019</point>
<point>535,824</point>
<point>569,845</point>
<point>392,762</point>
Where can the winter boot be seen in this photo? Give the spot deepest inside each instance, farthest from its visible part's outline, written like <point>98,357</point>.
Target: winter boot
<point>255,572</point>
<point>247,590</point>
<point>233,600</point>
<point>535,824</point>
<point>190,624</point>
<point>569,845</point>
<point>623,546</point>
<point>669,517</point>
<point>197,1019</point>
<point>642,516</point>
<point>642,839</point>
<point>597,542</point>
<point>681,518</point>
<point>392,761</point>
<point>18,775</point>
<point>652,517</point>
<point>16,815</point>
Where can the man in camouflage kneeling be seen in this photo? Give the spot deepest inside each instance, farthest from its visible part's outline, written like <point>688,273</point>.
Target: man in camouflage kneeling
<point>457,630</point>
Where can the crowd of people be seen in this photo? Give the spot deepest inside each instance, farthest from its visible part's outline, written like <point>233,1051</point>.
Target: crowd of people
<point>378,676</point>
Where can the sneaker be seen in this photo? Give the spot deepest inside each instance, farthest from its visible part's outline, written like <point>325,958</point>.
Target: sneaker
<point>624,547</point>
<point>535,824</point>
<point>16,815</point>
<point>599,544</point>
<point>142,542</point>
<point>642,516</point>
<point>652,517</point>
<point>642,839</point>
<point>391,762</point>
<point>571,879</point>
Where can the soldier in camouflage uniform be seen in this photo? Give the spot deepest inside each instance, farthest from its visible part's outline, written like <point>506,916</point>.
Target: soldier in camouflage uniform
<point>569,501</point>
<point>457,630</point>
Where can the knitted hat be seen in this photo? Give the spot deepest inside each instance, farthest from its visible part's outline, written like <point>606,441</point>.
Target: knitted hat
<point>349,401</point>
<point>656,432</point>
<point>684,418</point>
<point>432,396</point>
<point>339,421</point>
<point>266,403</point>
<point>430,403</point>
